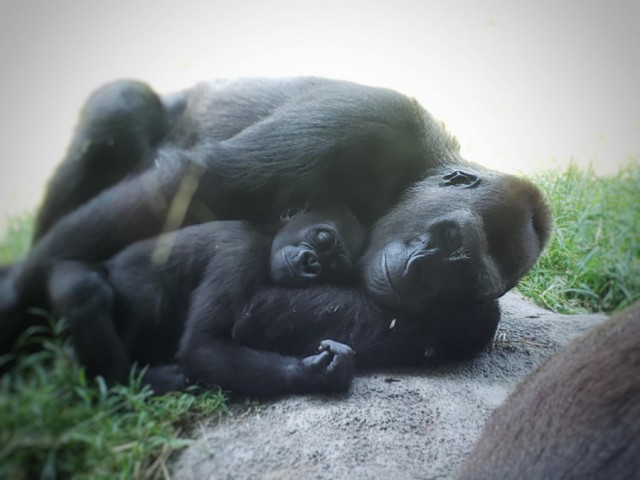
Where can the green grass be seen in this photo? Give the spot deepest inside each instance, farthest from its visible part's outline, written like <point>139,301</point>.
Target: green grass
<point>54,423</point>
<point>593,261</point>
<point>17,238</point>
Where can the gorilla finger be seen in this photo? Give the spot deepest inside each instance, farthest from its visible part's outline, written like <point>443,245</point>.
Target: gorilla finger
<point>336,348</point>
<point>318,362</point>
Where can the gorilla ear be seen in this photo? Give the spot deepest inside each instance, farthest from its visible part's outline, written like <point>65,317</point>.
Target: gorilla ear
<point>460,179</point>
<point>289,213</point>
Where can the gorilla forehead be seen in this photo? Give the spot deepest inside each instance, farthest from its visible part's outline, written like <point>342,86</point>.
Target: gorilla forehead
<point>497,197</point>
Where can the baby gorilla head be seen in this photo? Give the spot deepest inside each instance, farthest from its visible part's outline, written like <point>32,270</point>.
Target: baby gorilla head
<point>316,247</point>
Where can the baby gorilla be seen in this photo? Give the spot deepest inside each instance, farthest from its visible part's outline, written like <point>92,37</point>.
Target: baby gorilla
<point>316,247</point>
<point>137,306</point>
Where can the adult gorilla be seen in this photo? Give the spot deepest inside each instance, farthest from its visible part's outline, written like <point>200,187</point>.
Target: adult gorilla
<point>443,232</point>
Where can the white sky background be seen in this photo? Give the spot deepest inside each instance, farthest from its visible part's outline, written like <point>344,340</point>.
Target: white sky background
<point>523,85</point>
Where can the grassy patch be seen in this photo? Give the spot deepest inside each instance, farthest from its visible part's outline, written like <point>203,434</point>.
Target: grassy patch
<point>17,238</point>
<point>54,423</point>
<point>593,260</point>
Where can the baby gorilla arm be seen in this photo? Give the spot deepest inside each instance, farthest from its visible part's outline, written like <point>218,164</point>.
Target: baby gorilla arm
<point>245,371</point>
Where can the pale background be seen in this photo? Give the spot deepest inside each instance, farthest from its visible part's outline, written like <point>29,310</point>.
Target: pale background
<point>524,85</point>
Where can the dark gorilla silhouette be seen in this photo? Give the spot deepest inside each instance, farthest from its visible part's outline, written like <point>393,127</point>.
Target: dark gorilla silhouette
<point>447,237</point>
<point>576,417</point>
<point>136,306</point>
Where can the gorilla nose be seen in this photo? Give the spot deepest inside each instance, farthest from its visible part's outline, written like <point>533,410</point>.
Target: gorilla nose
<point>442,239</point>
<point>445,236</point>
<point>433,262</point>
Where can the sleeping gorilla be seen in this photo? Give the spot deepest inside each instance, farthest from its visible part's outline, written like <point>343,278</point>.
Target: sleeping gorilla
<point>447,237</point>
<point>134,307</point>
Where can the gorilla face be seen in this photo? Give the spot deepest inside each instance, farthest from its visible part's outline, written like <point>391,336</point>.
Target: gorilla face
<point>459,235</point>
<point>316,247</point>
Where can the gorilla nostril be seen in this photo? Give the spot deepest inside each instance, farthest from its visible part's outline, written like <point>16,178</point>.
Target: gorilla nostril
<point>453,238</point>
<point>420,269</point>
<point>446,236</point>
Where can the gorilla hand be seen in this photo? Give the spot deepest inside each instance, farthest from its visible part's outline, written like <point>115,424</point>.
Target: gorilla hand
<point>332,369</point>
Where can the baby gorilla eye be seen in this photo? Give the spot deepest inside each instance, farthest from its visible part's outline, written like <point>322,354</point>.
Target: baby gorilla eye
<point>324,240</point>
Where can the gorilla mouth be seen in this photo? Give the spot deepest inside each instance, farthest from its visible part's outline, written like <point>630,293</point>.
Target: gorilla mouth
<point>415,258</point>
<point>287,263</point>
<point>459,255</point>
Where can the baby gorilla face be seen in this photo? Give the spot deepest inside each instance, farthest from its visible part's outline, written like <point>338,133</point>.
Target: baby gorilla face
<point>316,247</point>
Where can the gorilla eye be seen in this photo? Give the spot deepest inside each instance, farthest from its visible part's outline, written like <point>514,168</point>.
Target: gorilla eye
<point>324,240</point>
<point>460,179</point>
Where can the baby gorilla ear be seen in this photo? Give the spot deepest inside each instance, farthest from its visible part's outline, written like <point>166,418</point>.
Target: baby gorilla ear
<point>288,214</point>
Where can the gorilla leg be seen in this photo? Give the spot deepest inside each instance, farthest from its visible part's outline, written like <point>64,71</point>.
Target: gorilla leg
<point>83,296</point>
<point>119,127</point>
<point>132,209</point>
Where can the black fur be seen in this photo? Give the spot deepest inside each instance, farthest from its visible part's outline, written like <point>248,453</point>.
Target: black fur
<point>290,322</point>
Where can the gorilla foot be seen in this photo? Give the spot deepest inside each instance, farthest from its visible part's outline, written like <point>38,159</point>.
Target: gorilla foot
<point>164,379</point>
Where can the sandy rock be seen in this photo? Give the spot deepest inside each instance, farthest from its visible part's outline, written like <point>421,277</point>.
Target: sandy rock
<point>397,423</point>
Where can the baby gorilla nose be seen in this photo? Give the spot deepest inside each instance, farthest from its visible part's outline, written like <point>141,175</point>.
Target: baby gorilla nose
<point>308,264</point>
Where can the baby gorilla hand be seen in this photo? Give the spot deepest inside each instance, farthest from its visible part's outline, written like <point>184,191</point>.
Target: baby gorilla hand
<point>331,369</point>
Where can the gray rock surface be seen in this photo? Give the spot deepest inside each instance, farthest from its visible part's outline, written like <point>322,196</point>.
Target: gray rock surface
<point>396,423</point>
